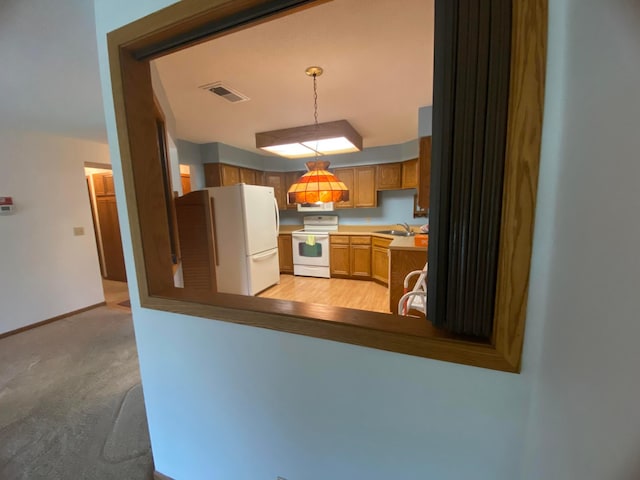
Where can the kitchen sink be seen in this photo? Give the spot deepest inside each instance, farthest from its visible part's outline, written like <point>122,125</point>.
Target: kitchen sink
<point>399,233</point>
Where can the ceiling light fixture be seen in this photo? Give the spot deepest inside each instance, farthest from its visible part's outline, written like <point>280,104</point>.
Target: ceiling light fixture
<point>329,138</point>
<point>319,185</point>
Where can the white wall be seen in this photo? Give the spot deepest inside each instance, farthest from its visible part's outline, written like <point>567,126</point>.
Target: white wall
<point>46,271</point>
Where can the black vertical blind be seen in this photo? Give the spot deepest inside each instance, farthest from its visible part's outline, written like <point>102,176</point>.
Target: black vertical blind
<point>470,103</point>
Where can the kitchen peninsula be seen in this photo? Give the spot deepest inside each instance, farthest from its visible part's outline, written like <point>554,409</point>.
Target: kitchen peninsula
<point>360,254</point>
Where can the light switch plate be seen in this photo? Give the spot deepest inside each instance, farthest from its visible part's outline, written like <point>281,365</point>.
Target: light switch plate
<point>78,231</point>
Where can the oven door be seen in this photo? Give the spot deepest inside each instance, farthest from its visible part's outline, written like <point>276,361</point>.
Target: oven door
<point>311,249</point>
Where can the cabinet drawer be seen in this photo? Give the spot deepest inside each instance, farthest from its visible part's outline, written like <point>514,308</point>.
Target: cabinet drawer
<point>380,242</point>
<point>361,240</point>
<point>343,239</point>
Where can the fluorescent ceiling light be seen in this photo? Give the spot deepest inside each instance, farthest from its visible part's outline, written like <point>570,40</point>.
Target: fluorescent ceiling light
<point>291,150</point>
<point>324,138</point>
<point>332,145</point>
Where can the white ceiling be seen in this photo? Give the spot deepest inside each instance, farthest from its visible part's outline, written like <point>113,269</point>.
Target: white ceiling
<point>378,70</point>
<point>50,79</point>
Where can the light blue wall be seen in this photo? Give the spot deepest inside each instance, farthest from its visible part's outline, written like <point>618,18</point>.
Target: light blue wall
<point>394,206</point>
<point>221,153</point>
<point>424,121</point>
<point>189,154</point>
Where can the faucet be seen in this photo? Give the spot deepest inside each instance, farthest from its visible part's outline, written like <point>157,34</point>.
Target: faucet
<point>406,226</point>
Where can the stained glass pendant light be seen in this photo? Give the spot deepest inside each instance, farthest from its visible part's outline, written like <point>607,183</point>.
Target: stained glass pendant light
<point>318,185</point>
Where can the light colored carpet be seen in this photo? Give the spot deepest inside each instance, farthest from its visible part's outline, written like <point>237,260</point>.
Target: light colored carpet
<point>71,405</point>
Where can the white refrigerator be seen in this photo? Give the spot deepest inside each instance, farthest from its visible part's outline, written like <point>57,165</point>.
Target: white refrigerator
<point>246,224</point>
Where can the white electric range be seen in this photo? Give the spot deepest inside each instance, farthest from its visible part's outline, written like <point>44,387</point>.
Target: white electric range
<point>311,246</point>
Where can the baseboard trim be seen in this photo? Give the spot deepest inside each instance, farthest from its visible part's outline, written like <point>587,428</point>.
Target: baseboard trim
<point>159,476</point>
<point>50,320</point>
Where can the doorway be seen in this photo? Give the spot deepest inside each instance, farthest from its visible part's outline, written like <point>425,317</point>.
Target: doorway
<point>107,233</point>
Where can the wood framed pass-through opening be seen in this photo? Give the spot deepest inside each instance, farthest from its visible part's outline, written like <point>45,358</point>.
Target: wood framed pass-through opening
<point>185,23</point>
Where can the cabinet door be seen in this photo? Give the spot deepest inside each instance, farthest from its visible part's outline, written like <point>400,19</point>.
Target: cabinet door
<point>346,175</point>
<point>424,168</point>
<point>365,187</point>
<point>410,174</point>
<point>230,174</point>
<point>360,261</point>
<point>248,176</point>
<point>276,180</point>
<point>339,260</point>
<point>380,259</point>
<point>390,176</point>
<point>290,178</point>
<point>211,175</point>
<point>285,253</point>
<point>380,264</point>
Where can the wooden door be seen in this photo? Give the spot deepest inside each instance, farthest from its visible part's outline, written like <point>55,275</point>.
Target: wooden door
<point>185,179</point>
<point>110,231</point>
<point>195,229</point>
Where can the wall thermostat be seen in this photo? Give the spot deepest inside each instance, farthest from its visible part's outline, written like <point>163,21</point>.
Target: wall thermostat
<point>6,205</point>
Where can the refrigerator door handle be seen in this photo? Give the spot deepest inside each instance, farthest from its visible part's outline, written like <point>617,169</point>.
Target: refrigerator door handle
<point>262,256</point>
<point>275,205</point>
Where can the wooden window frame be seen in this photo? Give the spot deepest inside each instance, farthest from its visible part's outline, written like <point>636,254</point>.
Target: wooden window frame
<point>189,22</point>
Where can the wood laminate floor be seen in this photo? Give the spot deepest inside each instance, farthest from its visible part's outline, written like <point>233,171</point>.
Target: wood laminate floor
<point>357,294</point>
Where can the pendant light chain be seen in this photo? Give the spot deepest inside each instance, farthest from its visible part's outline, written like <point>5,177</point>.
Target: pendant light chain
<point>315,112</point>
<point>315,101</point>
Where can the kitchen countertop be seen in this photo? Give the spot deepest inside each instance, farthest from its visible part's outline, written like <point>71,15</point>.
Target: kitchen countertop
<point>397,243</point>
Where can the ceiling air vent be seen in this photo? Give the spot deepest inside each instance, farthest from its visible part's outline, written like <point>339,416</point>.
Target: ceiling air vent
<point>226,92</point>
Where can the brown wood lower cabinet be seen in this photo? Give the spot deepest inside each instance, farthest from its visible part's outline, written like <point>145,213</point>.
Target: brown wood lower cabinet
<point>380,260</point>
<point>401,262</point>
<point>351,256</point>
<point>285,252</point>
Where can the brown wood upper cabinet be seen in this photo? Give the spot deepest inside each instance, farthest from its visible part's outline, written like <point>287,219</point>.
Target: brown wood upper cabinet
<point>277,181</point>
<point>424,169</point>
<point>249,176</point>
<point>410,173</point>
<point>361,182</point>
<point>221,174</point>
<point>289,179</point>
<point>397,175</point>
<point>389,176</point>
